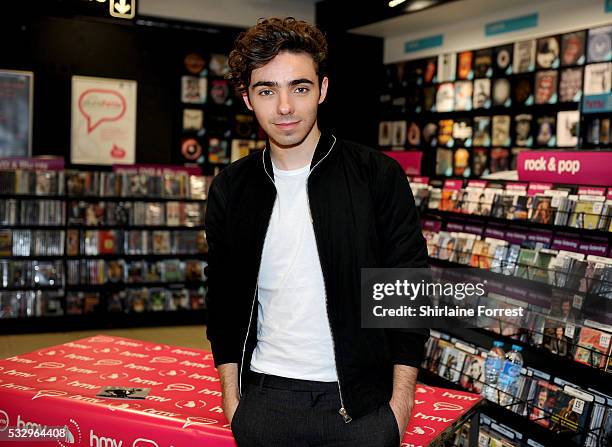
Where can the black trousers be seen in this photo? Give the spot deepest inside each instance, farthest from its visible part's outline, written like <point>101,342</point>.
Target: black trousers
<point>277,411</point>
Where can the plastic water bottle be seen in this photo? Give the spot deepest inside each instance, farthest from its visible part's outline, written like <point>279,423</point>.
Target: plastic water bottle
<point>509,377</point>
<point>493,366</point>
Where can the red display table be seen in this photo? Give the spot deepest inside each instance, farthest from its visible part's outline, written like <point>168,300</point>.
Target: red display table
<point>57,387</point>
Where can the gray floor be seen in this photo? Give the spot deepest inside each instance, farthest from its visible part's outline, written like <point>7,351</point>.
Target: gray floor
<point>184,336</point>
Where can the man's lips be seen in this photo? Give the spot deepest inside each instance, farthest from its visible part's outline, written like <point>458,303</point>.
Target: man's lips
<point>287,125</point>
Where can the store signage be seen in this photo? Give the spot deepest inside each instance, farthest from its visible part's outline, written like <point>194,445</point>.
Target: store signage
<point>156,169</point>
<point>409,160</point>
<point>511,25</point>
<point>120,9</point>
<point>45,164</point>
<point>597,103</point>
<point>584,168</point>
<point>424,43</point>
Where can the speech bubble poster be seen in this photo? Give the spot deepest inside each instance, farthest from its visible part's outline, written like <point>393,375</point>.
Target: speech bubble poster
<point>103,121</point>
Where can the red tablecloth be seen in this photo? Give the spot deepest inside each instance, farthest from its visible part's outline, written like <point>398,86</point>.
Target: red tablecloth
<point>57,387</point>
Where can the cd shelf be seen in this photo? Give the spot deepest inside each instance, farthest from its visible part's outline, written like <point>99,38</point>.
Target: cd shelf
<point>109,219</point>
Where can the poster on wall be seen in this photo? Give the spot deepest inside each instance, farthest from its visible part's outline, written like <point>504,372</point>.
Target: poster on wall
<point>103,121</point>
<point>16,113</point>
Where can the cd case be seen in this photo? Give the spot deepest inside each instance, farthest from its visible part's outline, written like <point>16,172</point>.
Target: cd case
<point>122,392</point>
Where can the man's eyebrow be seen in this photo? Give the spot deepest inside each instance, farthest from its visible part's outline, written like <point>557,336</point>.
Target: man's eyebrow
<point>276,84</point>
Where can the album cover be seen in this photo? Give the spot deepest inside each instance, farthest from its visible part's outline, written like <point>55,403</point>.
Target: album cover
<point>599,48</point>
<point>385,133</point>
<point>462,163</point>
<point>157,299</point>
<point>522,130</point>
<point>430,134</point>
<point>482,93</point>
<point>444,162</point>
<point>592,347</point>
<point>445,132</point>
<point>220,92</point>
<point>447,67</point>
<point>107,240</point>
<point>193,119</point>
<point>500,159</point>
<point>462,132</point>
<point>161,242</point>
<point>115,270</point>
<point>6,242</point>
<point>522,92</point>
<point>546,87</point>
<point>463,95</point>
<point>567,128</point>
<point>218,64</point>
<point>217,151</point>
<point>483,63</point>
<point>544,403</point>
<point>546,133</point>
<point>430,70</point>
<point>548,52</point>
<point>193,90</point>
<point>480,161</point>
<point>445,97</point>
<point>570,85</point>
<point>399,134</point>
<point>597,78</point>
<point>502,63</point>
<point>191,149</point>
<point>542,211</point>
<point>482,131</point>
<point>586,214</point>
<point>414,134</point>
<point>465,61</point>
<point>572,48</point>
<point>501,92</point>
<point>137,300</point>
<point>501,130</point>
<point>451,363</point>
<point>524,56</point>
<point>429,98</point>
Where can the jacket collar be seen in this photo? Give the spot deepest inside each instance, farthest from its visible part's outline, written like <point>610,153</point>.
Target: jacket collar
<point>326,144</point>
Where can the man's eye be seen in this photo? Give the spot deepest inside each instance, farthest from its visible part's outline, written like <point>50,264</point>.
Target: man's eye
<point>302,90</point>
<point>265,92</point>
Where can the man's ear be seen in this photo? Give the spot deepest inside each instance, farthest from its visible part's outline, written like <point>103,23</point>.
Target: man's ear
<point>323,92</point>
<point>247,101</point>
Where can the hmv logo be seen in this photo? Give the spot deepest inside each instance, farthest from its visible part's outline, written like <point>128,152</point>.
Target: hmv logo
<point>101,441</point>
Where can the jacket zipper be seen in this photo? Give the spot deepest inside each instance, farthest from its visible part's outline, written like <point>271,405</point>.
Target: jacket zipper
<point>342,411</point>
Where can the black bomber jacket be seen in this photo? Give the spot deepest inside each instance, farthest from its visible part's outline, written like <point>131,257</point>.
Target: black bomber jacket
<point>363,214</point>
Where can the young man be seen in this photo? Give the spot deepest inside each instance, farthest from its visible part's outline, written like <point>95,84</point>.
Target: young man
<point>289,229</point>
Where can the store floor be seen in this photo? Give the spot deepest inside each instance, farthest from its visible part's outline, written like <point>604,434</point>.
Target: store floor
<point>184,336</point>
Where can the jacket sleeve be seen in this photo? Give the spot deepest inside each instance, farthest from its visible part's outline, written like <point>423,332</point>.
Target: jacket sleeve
<point>402,245</point>
<point>224,341</point>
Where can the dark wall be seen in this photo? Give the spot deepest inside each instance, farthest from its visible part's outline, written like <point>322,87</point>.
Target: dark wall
<point>56,48</point>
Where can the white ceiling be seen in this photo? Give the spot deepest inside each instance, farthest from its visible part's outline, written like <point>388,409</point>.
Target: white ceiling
<point>449,13</point>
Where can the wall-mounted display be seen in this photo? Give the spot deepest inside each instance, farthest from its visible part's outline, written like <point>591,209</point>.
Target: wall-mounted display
<point>16,89</point>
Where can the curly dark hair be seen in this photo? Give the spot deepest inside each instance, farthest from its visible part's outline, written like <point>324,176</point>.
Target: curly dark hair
<point>258,45</point>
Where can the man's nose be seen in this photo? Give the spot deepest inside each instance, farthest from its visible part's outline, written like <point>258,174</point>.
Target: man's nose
<point>285,107</point>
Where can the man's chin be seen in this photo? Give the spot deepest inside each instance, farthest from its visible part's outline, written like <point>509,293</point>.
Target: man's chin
<point>288,140</point>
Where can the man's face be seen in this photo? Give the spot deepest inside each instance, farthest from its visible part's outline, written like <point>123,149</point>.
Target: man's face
<point>285,95</point>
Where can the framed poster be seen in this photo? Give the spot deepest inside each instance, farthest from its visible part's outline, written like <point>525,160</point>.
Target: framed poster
<point>103,121</point>
<point>16,113</point>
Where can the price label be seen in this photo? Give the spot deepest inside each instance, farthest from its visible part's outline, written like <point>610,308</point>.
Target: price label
<point>604,340</point>
<point>578,406</point>
<point>570,330</point>
<point>577,301</point>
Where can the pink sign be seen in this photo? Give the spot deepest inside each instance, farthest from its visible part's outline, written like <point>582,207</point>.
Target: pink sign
<point>453,185</point>
<point>573,167</point>
<point>477,184</point>
<point>156,169</point>
<point>538,188</point>
<point>32,164</point>
<point>513,186</point>
<point>410,161</point>
<point>420,180</point>
<point>591,191</point>
<point>59,386</point>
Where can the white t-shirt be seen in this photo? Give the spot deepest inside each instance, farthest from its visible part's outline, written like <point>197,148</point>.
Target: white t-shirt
<point>293,333</point>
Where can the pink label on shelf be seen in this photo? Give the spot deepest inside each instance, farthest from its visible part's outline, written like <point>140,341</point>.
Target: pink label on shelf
<point>515,237</point>
<point>494,232</point>
<point>410,161</point>
<point>421,180</point>
<point>453,185</point>
<point>584,168</point>
<point>516,186</point>
<point>561,243</point>
<point>593,248</point>
<point>591,191</point>
<point>431,225</point>
<point>477,184</point>
<point>473,229</point>
<point>609,195</point>
<point>32,164</point>
<point>538,188</point>
<point>543,236</point>
<point>156,169</point>
<point>452,226</point>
